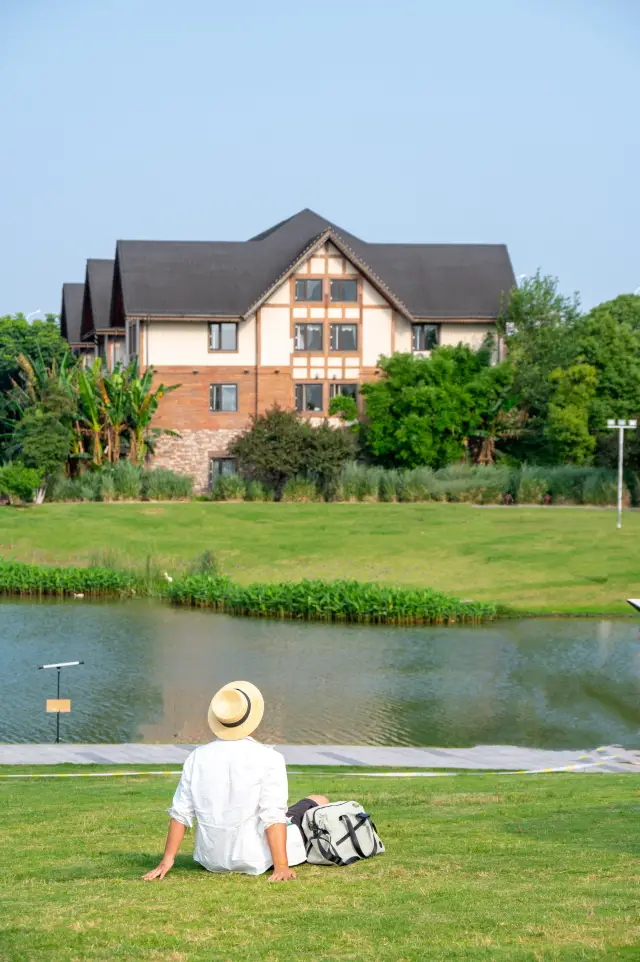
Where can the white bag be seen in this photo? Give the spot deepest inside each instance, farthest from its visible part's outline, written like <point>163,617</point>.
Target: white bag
<point>339,833</point>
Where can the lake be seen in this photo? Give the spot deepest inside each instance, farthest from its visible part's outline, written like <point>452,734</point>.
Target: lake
<point>150,671</point>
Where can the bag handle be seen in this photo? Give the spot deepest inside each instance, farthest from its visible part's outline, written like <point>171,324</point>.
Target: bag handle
<point>351,833</point>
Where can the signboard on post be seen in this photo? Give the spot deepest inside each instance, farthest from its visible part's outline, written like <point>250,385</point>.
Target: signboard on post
<point>58,704</point>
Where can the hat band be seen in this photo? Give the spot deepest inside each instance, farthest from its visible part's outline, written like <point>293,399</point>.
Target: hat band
<point>244,717</point>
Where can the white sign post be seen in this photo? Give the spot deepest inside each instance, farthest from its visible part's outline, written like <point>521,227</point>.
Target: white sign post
<point>621,426</point>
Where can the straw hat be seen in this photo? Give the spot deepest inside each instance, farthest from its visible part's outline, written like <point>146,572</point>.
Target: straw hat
<point>236,710</point>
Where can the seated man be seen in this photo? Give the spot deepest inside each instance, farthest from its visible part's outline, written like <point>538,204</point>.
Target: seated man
<point>236,789</point>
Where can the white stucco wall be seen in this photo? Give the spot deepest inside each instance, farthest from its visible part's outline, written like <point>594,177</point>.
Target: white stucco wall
<point>376,334</point>
<point>281,295</point>
<point>370,295</point>
<point>403,334</point>
<point>471,334</point>
<point>186,344</point>
<point>275,337</point>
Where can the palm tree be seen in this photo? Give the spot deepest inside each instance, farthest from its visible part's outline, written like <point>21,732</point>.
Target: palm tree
<point>142,405</point>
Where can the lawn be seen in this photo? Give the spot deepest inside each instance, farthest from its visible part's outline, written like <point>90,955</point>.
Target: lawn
<point>533,559</point>
<point>478,867</point>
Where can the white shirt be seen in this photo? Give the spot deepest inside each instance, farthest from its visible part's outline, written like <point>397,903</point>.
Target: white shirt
<point>235,790</point>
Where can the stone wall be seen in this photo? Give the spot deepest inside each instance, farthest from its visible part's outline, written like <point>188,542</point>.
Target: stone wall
<point>191,453</point>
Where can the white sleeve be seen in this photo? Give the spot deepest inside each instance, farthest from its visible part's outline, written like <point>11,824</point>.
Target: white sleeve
<point>182,809</point>
<point>272,807</point>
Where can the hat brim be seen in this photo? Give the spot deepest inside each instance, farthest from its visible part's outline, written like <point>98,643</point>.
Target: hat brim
<point>252,721</point>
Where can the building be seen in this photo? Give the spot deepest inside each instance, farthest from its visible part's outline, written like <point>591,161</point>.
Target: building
<point>292,316</point>
<point>71,318</point>
<point>96,330</point>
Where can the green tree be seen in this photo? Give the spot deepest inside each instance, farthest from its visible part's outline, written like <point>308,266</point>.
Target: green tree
<point>567,427</point>
<point>423,410</point>
<point>274,449</point>
<point>327,451</point>
<point>40,340</point>
<point>537,323</point>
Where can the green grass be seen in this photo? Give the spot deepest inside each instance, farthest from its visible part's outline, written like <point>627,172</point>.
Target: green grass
<point>478,868</point>
<point>543,560</point>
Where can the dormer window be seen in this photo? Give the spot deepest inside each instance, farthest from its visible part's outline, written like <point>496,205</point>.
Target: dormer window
<point>309,290</point>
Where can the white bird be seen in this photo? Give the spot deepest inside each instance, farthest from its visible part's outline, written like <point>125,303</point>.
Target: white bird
<point>78,595</point>
<point>168,577</point>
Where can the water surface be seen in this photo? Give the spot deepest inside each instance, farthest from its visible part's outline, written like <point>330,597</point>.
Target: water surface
<point>150,672</point>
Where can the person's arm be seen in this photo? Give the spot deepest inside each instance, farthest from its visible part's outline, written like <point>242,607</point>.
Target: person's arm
<point>174,840</point>
<point>277,839</point>
<point>273,814</point>
<point>182,813</point>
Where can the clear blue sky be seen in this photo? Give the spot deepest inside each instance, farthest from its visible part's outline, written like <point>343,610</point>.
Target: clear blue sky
<point>511,121</point>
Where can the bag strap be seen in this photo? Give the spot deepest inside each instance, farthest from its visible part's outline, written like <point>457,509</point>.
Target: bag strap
<point>351,833</point>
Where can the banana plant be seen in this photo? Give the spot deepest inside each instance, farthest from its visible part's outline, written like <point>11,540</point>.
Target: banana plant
<point>142,404</point>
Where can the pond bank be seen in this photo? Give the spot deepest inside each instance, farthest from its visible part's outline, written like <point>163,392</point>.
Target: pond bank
<point>609,759</point>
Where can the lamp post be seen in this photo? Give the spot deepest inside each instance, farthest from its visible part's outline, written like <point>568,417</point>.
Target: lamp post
<point>621,426</point>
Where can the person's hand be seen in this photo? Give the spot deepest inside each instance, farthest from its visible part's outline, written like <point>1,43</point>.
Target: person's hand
<point>283,874</point>
<point>161,870</point>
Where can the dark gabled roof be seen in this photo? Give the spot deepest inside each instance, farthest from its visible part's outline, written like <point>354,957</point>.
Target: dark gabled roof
<point>71,312</point>
<point>199,278</point>
<point>96,306</point>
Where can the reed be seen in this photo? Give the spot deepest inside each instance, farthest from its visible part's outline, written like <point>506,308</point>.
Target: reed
<point>342,601</point>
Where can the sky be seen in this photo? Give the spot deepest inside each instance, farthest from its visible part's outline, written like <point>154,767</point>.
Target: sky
<point>433,121</point>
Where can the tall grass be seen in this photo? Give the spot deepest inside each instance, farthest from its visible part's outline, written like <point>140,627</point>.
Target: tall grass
<point>17,578</point>
<point>346,601</point>
<point>476,484</point>
<point>123,482</point>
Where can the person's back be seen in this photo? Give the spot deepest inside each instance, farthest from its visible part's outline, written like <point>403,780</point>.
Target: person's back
<point>234,789</point>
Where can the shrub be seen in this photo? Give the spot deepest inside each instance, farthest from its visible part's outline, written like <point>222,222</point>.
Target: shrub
<point>390,485</point>
<point>19,483</point>
<point>161,484</point>
<point>300,489</point>
<point>601,487</point>
<point>206,563</point>
<point>107,486</point>
<point>532,486</point>
<point>256,491</point>
<point>566,483</point>
<point>64,489</point>
<point>128,481</point>
<point>418,485</point>
<point>230,487</point>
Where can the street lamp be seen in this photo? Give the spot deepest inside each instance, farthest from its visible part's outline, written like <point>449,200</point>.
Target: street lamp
<point>621,426</point>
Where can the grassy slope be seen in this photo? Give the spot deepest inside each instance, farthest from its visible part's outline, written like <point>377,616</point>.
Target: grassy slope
<point>532,559</point>
<point>478,868</point>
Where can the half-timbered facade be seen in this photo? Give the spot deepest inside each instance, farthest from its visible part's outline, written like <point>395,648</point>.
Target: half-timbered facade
<point>292,316</point>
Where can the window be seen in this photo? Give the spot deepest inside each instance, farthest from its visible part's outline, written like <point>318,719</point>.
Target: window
<point>344,290</point>
<point>223,397</point>
<point>308,337</point>
<point>309,397</point>
<point>344,337</point>
<point>221,467</point>
<point>425,337</point>
<point>347,390</point>
<point>309,290</point>
<point>223,336</point>
<point>132,339</point>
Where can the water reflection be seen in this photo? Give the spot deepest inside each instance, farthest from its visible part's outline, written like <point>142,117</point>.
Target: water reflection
<point>150,671</point>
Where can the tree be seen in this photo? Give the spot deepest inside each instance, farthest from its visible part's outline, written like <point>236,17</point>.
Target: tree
<point>424,410</point>
<point>274,449</point>
<point>327,451</point>
<point>609,342</point>
<point>538,324</point>
<point>41,441</point>
<point>343,406</point>
<point>279,445</point>
<point>567,425</point>
<point>40,340</point>
<point>18,483</point>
